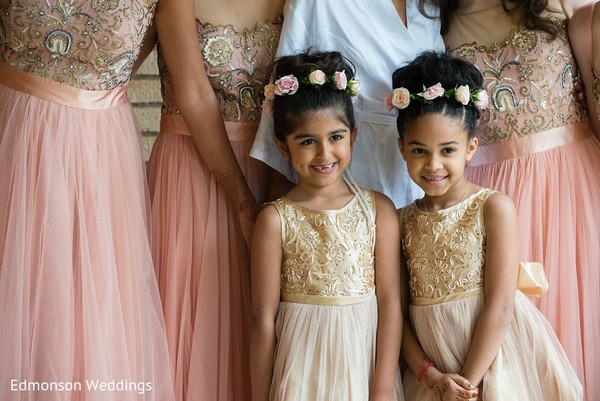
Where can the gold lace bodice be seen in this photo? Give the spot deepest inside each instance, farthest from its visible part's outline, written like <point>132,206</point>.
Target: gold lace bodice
<point>328,253</point>
<point>531,83</point>
<point>86,44</point>
<point>445,250</point>
<point>238,64</point>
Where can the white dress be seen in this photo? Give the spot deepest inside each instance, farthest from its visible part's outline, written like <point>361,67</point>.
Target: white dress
<point>372,36</point>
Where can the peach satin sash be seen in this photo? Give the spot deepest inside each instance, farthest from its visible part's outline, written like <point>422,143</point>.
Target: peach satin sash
<point>529,144</point>
<point>56,92</point>
<point>236,131</point>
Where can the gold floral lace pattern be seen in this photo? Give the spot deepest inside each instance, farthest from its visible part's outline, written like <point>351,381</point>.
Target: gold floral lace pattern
<point>327,253</point>
<point>532,84</point>
<point>238,64</point>
<point>445,250</point>
<point>86,44</point>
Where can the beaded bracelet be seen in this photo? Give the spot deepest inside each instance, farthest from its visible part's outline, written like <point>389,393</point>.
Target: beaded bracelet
<point>424,369</point>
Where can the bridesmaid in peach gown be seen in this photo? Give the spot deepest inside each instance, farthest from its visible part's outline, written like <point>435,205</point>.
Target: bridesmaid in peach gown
<point>199,251</point>
<point>80,312</point>
<point>536,146</point>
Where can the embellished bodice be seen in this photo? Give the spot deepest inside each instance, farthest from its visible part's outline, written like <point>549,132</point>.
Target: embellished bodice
<point>445,250</point>
<point>533,84</point>
<point>328,253</point>
<point>238,64</point>
<point>85,44</point>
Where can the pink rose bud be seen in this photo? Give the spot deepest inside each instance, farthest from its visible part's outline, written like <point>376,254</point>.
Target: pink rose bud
<point>340,80</point>
<point>433,92</point>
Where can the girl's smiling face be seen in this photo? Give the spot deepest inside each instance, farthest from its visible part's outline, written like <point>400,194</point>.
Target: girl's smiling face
<point>436,149</point>
<point>320,149</point>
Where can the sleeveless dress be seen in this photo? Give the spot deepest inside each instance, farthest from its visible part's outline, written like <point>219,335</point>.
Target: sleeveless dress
<point>80,313</point>
<point>326,326</point>
<point>372,36</point>
<point>536,146</point>
<point>200,255</point>
<point>445,256</point>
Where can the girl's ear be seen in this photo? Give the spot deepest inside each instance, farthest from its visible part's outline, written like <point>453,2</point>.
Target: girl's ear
<point>282,146</point>
<point>401,146</point>
<point>472,147</point>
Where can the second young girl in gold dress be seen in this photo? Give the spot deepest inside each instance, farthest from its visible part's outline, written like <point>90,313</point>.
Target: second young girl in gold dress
<point>468,334</point>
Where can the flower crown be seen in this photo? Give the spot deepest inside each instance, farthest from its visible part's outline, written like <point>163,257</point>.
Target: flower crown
<point>401,97</point>
<point>288,84</point>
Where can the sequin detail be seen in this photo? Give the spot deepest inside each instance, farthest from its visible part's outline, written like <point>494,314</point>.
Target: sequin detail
<point>596,91</point>
<point>445,250</point>
<point>327,253</point>
<point>87,44</point>
<point>532,83</point>
<point>238,64</point>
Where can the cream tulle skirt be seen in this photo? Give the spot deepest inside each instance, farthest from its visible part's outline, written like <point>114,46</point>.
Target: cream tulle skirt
<point>530,365</point>
<point>202,263</point>
<point>326,353</point>
<point>79,304</point>
<point>556,193</point>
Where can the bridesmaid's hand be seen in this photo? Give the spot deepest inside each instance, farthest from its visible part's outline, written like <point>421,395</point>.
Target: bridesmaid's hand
<point>247,226</point>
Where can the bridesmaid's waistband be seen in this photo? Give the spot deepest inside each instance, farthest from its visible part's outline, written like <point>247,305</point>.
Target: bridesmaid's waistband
<point>327,301</point>
<point>56,92</point>
<point>529,144</point>
<point>236,131</point>
<point>416,301</point>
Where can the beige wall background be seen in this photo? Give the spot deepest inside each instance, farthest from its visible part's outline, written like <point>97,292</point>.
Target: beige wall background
<point>144,94</point>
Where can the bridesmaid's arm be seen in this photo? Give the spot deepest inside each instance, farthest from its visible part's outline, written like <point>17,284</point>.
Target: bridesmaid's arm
<point>147,47</point>
<point>584,36</point>
<point>265,283</point>
<point>198,104</point>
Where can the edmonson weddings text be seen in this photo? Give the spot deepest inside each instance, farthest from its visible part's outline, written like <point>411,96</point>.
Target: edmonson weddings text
<point>89,385</point>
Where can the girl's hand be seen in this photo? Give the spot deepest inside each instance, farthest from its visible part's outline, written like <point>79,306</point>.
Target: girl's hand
<point>450,386</point>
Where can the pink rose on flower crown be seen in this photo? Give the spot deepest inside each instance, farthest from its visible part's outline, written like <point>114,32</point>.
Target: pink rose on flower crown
<point>433,92</point>
<point>340,80</point>
<point>401,98</point>
<point>270,91</point>
<point>481,99</point>
<point>463,94</point>
<point>286,85</point>
<point>317,77</point>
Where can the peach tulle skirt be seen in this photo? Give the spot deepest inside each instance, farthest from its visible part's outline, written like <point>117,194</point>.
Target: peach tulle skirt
<point>556,193</point>
<point>80,315</point>
<point>202,263</point>
<point>530,365</point>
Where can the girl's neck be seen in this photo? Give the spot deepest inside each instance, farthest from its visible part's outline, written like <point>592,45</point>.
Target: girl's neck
<point>332,197</point>
<point>459,194</point>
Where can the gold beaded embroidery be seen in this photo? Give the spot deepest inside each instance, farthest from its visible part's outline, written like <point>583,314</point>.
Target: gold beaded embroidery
<point>532,84</point>
<point>596,91</point>
<point>86,44</point>
<point>238,64</point>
